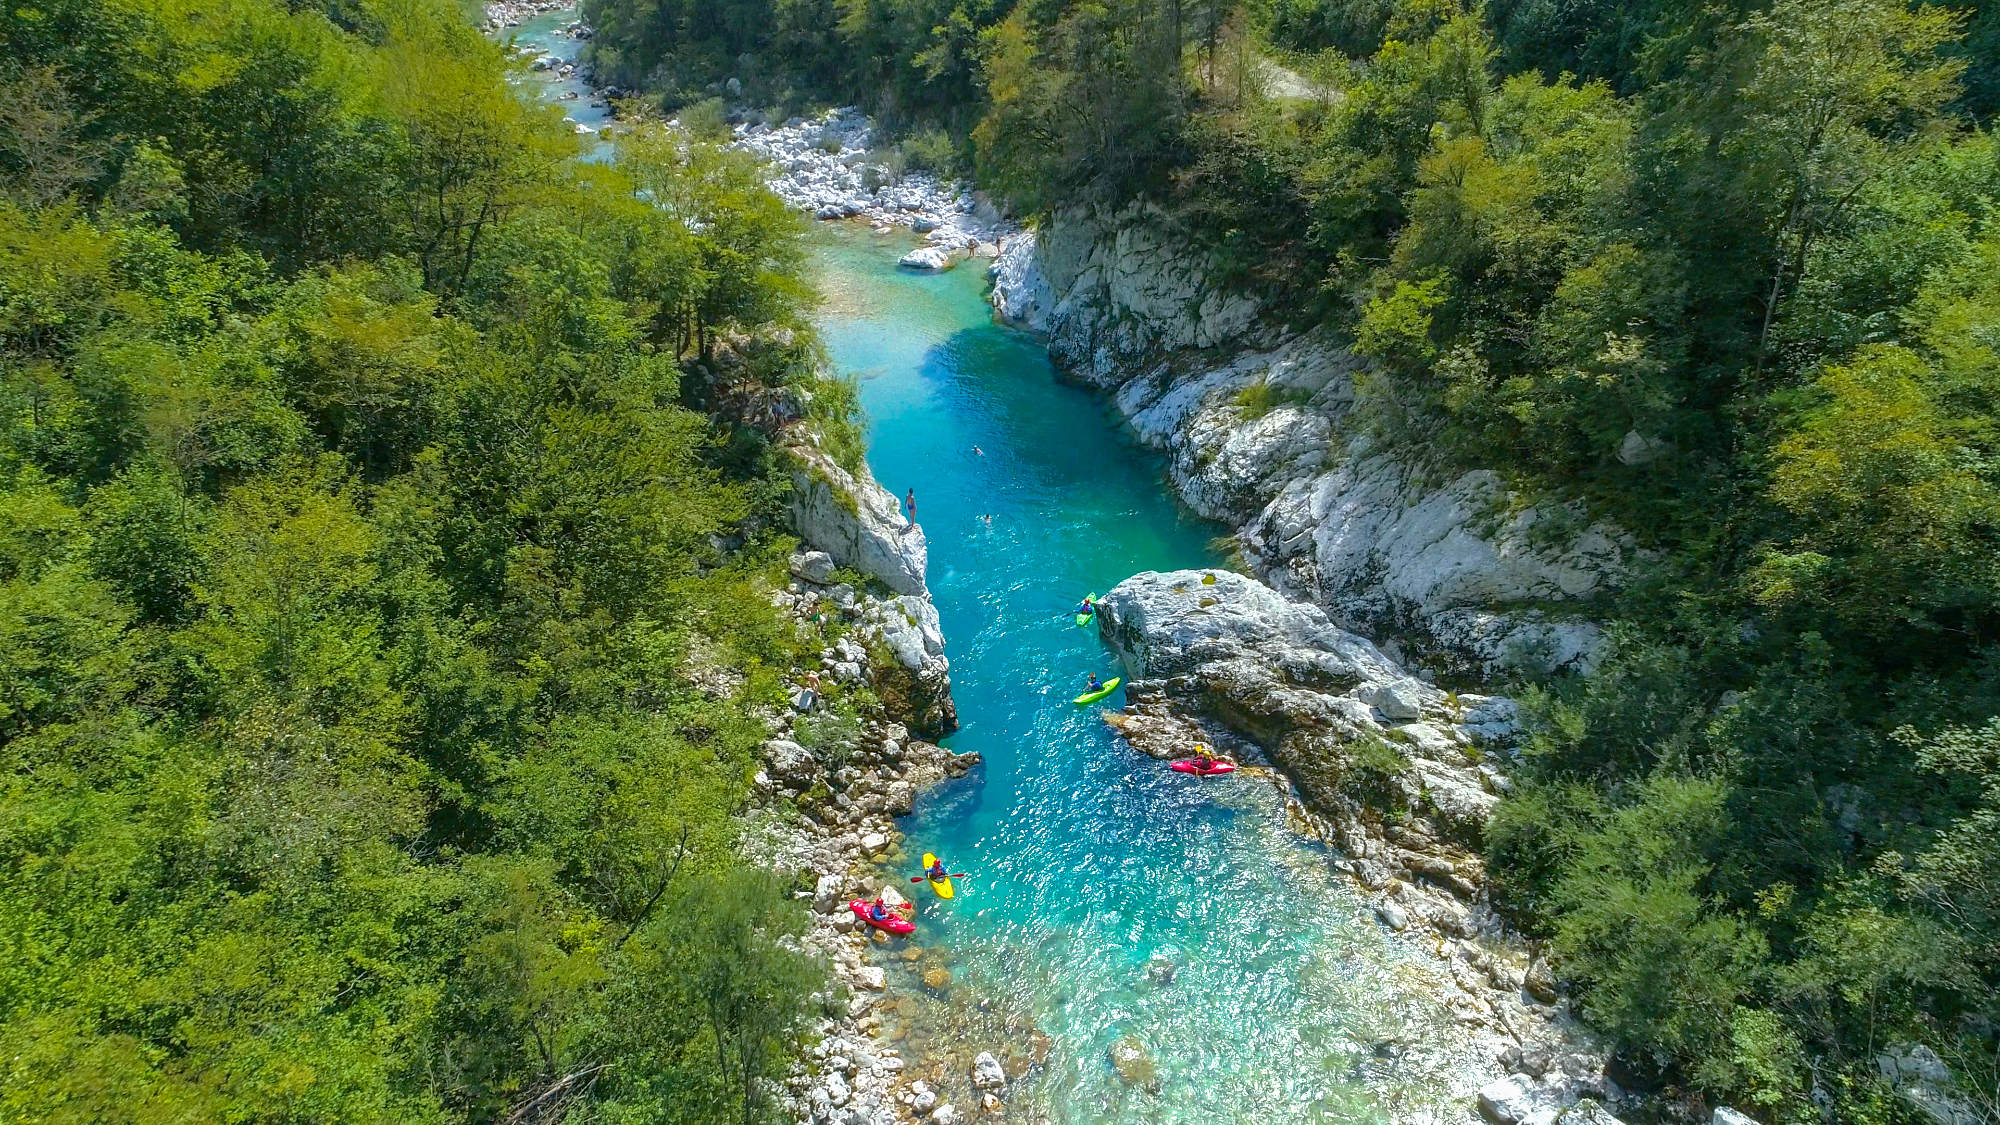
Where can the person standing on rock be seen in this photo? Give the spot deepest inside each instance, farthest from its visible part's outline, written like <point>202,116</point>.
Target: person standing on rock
<point>910,502</point>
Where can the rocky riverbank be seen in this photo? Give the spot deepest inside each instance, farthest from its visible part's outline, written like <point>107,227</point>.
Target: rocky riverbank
<point>829,167</point>
<point>1454,569</point>
<point>1396,774</point>
<point>830,790</point>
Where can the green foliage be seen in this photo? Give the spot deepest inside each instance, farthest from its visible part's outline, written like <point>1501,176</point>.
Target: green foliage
<point>355,544</point>
<point>1722,274</point>
<point>1259,399</point>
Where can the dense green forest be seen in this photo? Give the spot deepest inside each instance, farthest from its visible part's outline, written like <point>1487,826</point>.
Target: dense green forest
<point>356,551</point>
<point>1727,273</point>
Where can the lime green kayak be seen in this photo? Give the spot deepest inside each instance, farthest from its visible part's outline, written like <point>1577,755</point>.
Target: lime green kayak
<point>1110,686</point>
<point>1083,619</point>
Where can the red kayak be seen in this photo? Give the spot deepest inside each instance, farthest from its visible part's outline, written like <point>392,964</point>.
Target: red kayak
<point>895,923</point>
<point>1187,765</point>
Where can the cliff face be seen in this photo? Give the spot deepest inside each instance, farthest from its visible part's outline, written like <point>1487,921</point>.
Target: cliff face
<point>855,523</point>
<point>1256,422</point>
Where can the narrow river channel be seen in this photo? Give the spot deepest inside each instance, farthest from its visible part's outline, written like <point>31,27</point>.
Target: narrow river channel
<point>1114,907</point>
<point>1097,871</point>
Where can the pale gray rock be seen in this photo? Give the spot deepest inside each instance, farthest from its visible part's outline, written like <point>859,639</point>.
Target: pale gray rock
<point>1398,699</point>
<point>826,893</point>
<point>987,1073</point>
<point>1221,647</point>
<point>855,521</point>
<point>791,764</point>
<point>1020,293</point>
<point>1185,621</point>
<point>1726,1116</point>
<point>1462,564</point>
<point>1509,1100</point>
<point>933,258</point>
<point>815,567</point>
<point>1637,449</point>
<point>1922,1079</point>
<point>1461,803</point>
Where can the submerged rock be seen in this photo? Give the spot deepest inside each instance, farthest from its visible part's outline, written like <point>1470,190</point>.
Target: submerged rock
<point>987,1073</point>
<point>1134,1063</point>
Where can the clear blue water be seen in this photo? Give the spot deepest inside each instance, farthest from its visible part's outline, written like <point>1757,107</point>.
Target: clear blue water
<point>1290,1003</point>
<point>542,33</point>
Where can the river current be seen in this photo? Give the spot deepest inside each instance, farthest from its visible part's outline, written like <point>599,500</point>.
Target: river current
<point>1096,871</point>
<point>1113,907</point>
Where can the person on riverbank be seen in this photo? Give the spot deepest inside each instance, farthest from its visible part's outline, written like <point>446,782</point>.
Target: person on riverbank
<point>910,505</point>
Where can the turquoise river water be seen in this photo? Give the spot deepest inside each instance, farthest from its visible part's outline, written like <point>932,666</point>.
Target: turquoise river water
<point>1289,1002</point>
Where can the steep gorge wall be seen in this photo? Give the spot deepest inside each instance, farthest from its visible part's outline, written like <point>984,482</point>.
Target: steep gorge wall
<point>1449,565</point>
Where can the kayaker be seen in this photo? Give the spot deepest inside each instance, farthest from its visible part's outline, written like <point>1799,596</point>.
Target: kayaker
<point>937,871</point>
<point>1087,607</point>
<point>1093,685</point>
<point>879,912</point>
<point>1204,758</point>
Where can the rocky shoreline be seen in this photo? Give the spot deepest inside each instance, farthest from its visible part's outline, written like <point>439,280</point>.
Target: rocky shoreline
<point>1397,775</point>
<point>828,167</point>
<point>1453,569</point>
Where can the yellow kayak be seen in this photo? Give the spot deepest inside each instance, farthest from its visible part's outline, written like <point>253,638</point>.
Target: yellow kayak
<point>941,886</point>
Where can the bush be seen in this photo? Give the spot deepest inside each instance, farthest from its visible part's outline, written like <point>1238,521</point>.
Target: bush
<point>1259,399</point>
<point>932,150</point>
<point>706,120</point>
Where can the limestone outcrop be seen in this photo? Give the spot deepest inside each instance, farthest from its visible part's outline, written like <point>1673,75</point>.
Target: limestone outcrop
<point>852,522</point>
<point>1254,419</point>
<point>1398,774</point>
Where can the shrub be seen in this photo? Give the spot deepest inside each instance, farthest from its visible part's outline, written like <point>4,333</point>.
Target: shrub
<point>1259,399</point>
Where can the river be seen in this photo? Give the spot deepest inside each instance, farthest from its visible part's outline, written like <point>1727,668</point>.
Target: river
<point>1111,901</point>
<point>1092,864</point>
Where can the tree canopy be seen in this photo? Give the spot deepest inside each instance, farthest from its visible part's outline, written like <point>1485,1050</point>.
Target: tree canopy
<point>1720,273</point>
<point>358,546</point>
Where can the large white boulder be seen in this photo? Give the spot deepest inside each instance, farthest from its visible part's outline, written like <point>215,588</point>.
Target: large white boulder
<point>932,258</point>
<point>987,1073</point>
<point>855,521</point>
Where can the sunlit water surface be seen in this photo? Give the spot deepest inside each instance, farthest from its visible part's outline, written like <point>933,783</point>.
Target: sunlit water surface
<point>1289,1002</point>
